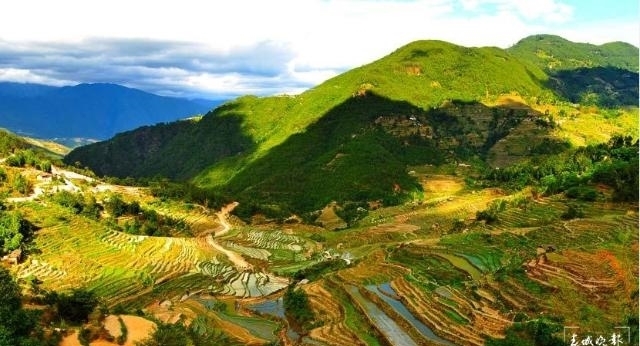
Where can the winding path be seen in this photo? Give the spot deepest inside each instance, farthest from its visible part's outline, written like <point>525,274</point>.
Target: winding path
<point>235,258</point>
<point>222,217</point>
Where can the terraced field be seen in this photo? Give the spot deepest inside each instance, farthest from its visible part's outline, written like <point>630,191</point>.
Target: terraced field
<point>114,264</point>
<point>464,287</point>
<point>120,267</point>
<point>424,273</point>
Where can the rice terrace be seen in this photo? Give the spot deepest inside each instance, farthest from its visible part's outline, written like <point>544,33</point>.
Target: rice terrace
<point>400,203</point>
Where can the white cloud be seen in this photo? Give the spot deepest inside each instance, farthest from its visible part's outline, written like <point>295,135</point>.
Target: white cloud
<point>200,47</point>
<point>27,76</point>
<point>604,31</point>
<point>544,10</point>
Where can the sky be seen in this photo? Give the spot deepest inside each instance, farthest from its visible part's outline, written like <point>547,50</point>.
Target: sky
<point>223,49</point>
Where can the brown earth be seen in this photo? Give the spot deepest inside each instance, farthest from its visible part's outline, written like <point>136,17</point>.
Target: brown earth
<point>333,331</point>
<point>138,328</point>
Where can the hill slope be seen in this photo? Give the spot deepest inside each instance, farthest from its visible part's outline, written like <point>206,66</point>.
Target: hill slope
<point>552,52</point>
<point>96,111</point>
<point>11,143</point>
<point>350,138</point>
<point>604,75</point>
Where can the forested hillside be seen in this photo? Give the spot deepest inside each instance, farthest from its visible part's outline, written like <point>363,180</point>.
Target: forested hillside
<point>352,138</point>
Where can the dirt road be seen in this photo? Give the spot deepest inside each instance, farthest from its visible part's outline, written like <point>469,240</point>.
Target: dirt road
<point>235,258</point>
<point>222,217</point>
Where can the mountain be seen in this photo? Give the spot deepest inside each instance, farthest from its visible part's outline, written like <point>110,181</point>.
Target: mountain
<point>11,143</point>
<point>604,75</point>
<point>552,52</point>
<point>352,138</point>
<point>96,111</point>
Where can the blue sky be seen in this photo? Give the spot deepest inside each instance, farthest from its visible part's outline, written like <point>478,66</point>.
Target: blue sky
<point>587,10</point>
<point>222,49</point>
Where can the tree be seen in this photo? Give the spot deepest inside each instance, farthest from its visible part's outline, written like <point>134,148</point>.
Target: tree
<point>167,334</point>
<point>21,184</point>
<point>9,293</point>
<point>115,206</point>
<point>15,323</point>
<point>297,307</point>
<point>77,306</point>
<point>91,208</point>
<point>13,230</point>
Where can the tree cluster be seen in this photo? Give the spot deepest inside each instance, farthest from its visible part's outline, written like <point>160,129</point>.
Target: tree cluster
<point>180,335</point>
<point>143,221</point>
<point>28,157</point>
<point>297,307</point>
<point>575,173</point>
<point>14,230</point>
<point>20,327</point>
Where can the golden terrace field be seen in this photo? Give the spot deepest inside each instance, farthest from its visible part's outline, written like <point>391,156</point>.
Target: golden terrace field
<point>440,195</point>
<point>420,273</point>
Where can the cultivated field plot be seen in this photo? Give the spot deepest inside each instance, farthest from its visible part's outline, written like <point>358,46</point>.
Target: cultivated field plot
<point>418,274</point>
<point>466,285</point>
<point>114,264</point>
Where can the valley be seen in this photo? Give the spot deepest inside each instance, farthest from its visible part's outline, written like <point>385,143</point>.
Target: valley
<point>423,273</point>
<point>427,198</point>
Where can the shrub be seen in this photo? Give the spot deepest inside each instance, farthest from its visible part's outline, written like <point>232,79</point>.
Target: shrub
<point>84,336</point>
<point>77,306</point>
<point>297,307</point>
<point>490,215</point>
<point>573,212</point>
<point>318,237</point>
<point>122,338</point>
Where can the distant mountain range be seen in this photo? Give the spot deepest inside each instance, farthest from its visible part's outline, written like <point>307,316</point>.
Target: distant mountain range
<point>353,137</point>
<point>90,111</point>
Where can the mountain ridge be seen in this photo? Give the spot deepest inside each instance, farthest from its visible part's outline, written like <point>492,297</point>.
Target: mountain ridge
<point>88,110</point>
<point>552,52</point>
<point>435,86</point>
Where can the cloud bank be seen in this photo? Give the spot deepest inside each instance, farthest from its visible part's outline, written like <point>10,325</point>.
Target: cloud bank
<point>209,49</point>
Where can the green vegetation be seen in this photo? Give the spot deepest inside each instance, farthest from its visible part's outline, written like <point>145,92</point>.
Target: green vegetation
<point>319,269</point>
<point>30,158</point>
<point>186,193</point>
<point>351,138</point>
<point>14,230</point>
<point>122,338</point>
<point>297,308</point>
<point>20,151</point>
<point>141,220</point>
<point>474,191</point>
<point>17,325</point>
<point>165,149</point>
<point>10,143</point>
<point>532,333</point>
<point>73,307</point>
<point>614,164</point>
<point>429,269</point>
<point>78,203</point>
<point>556,53</point>
<point>167,334</point>
<point>584,73</point>
<point>490,214</point>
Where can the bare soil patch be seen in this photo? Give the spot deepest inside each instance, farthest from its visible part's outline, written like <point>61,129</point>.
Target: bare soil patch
<point>138,328</point>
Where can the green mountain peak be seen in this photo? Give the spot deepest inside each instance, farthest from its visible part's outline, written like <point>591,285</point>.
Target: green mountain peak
<point>351,138</point>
